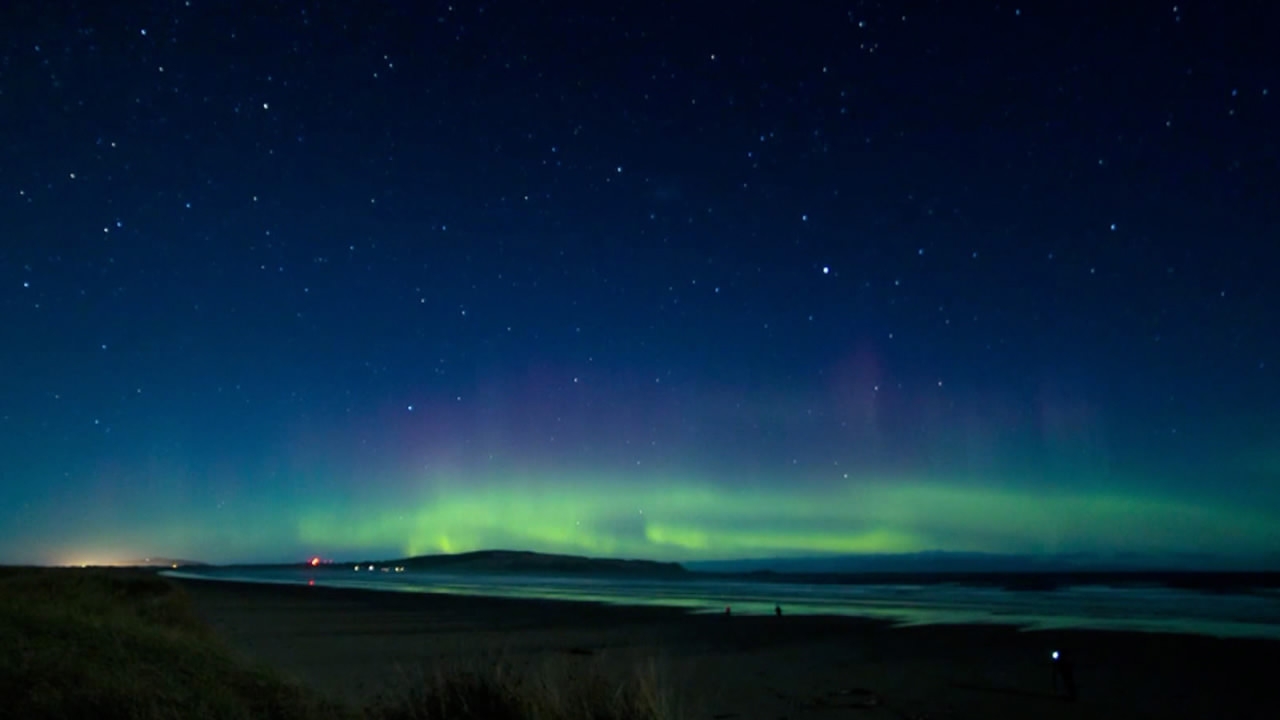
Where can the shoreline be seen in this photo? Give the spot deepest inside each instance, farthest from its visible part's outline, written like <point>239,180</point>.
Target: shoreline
<point>354,643</point>
<point>928,605</point>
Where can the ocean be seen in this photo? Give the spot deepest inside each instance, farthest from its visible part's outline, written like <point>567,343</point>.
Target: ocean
<point>1148,607</point>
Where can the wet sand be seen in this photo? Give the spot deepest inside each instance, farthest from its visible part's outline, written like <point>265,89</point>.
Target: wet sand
<point>354,644</point>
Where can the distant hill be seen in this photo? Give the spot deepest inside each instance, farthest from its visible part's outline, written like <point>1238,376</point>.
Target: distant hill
<point>161,562</point>
<point>516,561</point>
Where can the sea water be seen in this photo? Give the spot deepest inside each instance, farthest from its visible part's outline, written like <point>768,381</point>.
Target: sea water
<point>1149,608</point>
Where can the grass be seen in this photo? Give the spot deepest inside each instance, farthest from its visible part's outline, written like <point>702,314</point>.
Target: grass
<point>556,689</point>
<point>128,644</point>
<point>119,645</point>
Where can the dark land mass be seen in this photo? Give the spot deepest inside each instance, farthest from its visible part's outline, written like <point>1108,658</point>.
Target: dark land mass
<point>516,561</point>
<point>126,643</point>
<point>130,643</point>
<point>503,562</point>
<point>162,562</point>
<point>356,643</point>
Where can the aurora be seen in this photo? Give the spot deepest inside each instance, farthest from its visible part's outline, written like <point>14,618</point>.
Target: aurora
<point>709,299</point>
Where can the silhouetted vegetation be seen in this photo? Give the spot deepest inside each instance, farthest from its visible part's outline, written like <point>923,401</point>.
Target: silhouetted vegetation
<point>126,644</point>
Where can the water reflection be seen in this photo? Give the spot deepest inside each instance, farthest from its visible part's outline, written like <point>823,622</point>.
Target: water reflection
<point>1153,609</point>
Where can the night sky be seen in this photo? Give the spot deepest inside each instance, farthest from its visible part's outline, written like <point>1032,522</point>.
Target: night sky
<point>648,279</point>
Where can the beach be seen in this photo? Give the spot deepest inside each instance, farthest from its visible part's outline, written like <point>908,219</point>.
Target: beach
<point>356,644</point>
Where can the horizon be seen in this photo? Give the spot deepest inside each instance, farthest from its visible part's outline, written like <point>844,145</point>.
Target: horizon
<point>612,281</point>
<point>922,562</point>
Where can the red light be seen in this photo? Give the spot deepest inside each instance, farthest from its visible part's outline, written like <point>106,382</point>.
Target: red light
<point>315,561</point>
<point>311,583</point>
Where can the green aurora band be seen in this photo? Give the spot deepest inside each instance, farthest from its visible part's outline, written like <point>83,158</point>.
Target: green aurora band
<point>685,520</point>
<point>190,511</point>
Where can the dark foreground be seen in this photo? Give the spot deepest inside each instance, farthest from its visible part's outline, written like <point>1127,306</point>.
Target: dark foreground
<point>354,643</point>
<point>126,644</point>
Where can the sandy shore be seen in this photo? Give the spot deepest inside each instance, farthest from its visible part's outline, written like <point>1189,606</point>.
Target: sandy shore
<point>355,643</point>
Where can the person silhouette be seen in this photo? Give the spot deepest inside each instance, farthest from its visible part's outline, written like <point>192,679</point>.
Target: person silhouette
<point>1064,669</point>
<point>727,611</point>
<point>777,610</point>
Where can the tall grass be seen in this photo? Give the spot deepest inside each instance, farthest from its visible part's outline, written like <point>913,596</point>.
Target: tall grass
<point>127,644</point>
<point>122,645</point>
<point>555,688</point>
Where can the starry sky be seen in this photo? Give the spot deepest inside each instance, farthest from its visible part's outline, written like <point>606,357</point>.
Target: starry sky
<point>649,279</point>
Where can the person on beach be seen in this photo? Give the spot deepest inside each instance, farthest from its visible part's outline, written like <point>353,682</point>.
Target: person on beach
<point>1062,668</point>
<point>777,610</point>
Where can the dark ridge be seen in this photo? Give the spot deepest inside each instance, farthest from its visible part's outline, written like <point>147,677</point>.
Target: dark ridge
<point>502,561</point>
<point>515,561</point>
<point>161,562</point>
